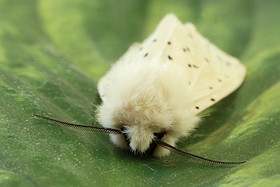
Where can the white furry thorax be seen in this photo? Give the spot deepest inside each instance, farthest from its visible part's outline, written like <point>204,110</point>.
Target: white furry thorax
<point>146,99</point>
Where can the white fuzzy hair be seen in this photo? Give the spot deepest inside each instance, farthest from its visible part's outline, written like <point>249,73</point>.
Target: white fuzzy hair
<point>147,98</point>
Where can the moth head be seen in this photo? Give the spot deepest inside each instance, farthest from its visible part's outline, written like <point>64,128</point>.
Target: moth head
<point>141,141</point>
<point>141,115</point>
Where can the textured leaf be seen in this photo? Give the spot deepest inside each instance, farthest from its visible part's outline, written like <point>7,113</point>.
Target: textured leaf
<point>53,52</point>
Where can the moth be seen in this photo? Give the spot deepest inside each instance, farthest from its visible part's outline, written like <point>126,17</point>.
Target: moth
<point>151,96</point>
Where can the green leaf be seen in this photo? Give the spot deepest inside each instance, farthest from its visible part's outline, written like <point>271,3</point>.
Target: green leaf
<point>52,53</point>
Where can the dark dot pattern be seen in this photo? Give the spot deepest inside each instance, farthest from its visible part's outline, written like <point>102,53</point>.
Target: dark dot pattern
<point>186,49</point>
<point>217,58</point>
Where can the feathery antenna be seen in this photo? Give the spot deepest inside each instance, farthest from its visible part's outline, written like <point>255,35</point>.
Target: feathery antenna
<point>174,149</point>
<point>116,131</point>
<point>84,127</point>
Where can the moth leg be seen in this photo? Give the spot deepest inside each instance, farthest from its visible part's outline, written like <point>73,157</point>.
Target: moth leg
<point>161,151</point>
<point>119,141</point>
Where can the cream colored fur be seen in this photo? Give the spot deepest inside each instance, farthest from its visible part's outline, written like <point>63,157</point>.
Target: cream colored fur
<point>146,99</point>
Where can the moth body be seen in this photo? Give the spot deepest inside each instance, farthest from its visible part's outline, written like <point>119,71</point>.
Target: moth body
<point>145,99</point>
<point>157,88</point>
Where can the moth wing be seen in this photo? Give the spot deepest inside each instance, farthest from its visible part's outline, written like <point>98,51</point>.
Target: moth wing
<point>211,73</point>
<point>218,74</point>
<point>105,82</point>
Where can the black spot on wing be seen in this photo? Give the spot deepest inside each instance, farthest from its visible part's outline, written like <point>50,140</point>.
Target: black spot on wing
<point>146,54</point>
<point>195,66</point>
<point>186,49</point>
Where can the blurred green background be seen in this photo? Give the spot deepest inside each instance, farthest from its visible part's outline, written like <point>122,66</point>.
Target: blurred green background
<point>52,53</point>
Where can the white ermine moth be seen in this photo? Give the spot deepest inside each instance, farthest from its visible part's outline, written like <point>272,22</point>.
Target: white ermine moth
<point>161,84</point>
<point>151,96</point>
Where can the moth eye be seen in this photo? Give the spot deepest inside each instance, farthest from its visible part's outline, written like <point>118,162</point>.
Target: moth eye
<point>159,135</point>
<point>123,129</point>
